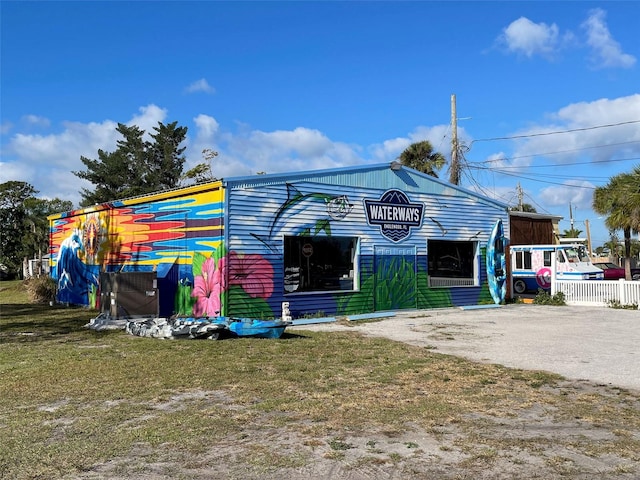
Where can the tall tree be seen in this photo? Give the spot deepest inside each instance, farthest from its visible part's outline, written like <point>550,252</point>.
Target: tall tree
<point>13,217</point>
<point>420,156</point>
<point>620,201</point>
<point>165,159</point>
<point>25,229</point>
<point>137,166</point>
<point>202,172</point>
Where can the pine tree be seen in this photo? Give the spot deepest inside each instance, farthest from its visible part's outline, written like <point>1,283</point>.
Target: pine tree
<point>137,166</point>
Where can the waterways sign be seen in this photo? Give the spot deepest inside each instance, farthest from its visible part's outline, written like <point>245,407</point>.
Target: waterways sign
<point>394,214</point>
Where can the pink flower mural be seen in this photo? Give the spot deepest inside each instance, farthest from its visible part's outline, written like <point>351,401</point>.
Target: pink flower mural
<point>251,272</point>
<point>213,276</point>
<point>208,286</point>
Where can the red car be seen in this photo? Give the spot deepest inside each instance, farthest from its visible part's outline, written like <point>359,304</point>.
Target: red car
<point>611,270</point>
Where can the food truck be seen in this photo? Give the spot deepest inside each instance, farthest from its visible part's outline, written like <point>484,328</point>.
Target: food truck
<point>533,265</point>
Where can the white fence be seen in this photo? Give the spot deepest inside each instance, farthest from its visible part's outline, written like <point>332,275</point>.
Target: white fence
<point>598,292</point>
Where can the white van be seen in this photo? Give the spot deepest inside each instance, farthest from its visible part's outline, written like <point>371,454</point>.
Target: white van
<point>531,266</point>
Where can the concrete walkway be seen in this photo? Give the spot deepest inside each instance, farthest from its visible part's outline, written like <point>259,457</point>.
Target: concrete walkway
<point>598,344</point>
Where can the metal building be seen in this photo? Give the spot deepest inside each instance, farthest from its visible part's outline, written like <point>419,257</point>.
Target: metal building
<point>329,242</point>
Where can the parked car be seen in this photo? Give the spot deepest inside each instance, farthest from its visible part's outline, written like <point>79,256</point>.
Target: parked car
<point>611,270</point>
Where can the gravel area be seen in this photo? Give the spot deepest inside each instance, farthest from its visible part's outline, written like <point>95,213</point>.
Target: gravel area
<point>598,344</point>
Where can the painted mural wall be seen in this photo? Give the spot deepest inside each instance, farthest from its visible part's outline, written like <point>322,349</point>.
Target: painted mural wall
<point>391,267</point>
<point>179,237</point>
<point>229,250</point>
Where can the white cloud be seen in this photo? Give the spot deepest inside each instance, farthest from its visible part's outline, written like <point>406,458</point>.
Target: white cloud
<point>47,161</point>
<point>282,151</point>
<point>36,120</point>
<point>200,86</point>
<point>148,118</point>
<point>207,127</point>
<point>578,193</point>
<point>591,139</point>
<point>606,52</point>
<point>527,38</point>
<point>439,136</point>
<point>5,127</point>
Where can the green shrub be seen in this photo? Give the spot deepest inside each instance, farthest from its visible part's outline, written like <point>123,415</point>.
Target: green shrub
<point>40,289</point>
<point>545,298</point>
<point>618,304</point>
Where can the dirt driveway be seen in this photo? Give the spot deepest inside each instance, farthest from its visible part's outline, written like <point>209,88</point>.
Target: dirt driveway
<point>598,344</point>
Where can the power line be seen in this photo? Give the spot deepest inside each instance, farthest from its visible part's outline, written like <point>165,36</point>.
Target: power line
<point>555,133</point>
<point>532,200</point>
<point>568,151</point>
<point>548,175</point>
<point>558,164</point>
<point>546,181</point>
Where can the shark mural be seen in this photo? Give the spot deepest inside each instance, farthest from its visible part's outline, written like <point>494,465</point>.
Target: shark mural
<point>305,214</point>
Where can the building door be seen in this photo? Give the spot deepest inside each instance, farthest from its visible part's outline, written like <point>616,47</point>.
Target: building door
<point>395,273</point>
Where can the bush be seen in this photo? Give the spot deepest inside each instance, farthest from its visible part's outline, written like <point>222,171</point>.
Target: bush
<point>545,298</point>
<point>41,289</point>
<point>617,304</point>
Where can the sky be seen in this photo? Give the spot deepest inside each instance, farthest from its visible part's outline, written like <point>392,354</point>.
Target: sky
<point>547,94</point>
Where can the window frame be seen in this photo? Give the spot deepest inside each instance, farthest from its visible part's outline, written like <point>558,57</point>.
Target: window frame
<point>443,281</point>
<point>523,260</point>
<point>353,273</point>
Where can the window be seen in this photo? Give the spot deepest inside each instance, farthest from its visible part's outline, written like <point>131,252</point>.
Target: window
<point>318,264</point>
<point>560,256</point>
<point>577,254</point>
<point>547,258</point>
<point>523,260</point>
<point>451,263</point>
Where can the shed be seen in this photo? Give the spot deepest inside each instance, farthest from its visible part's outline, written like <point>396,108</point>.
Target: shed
<point>529,228</point>
<point>341,241</point>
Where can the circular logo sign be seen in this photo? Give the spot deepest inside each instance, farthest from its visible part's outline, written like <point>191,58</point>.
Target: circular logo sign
<point>307,249</point>
<point>543,277</point>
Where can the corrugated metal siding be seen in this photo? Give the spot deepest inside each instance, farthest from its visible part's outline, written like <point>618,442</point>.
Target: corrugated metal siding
<point>378,176</point>
<point>258,222</point>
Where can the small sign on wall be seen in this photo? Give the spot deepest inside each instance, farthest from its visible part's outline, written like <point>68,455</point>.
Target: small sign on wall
<point>394,214</point>
<point>307,250</point>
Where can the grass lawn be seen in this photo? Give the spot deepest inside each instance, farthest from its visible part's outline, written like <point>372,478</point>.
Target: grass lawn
<point>73,398</point>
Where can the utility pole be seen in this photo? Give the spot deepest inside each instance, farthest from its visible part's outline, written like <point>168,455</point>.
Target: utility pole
<point>454,171</point>
<point>571,216</point>
<point>520,197</point>
<point>586,223</point>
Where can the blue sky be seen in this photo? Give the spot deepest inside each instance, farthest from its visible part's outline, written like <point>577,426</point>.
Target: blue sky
<point>282,86</point>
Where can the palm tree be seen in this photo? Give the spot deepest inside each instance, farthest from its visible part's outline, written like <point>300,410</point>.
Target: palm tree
<point>524,207</point>
<point>620,201</point>
<point>420,156</point>
<point>571,233</point>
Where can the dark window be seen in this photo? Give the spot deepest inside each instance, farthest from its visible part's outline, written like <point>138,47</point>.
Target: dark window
<point>547,258</point>
<point>451,263</point>
<point>523,260</point>
<point>314,264</point>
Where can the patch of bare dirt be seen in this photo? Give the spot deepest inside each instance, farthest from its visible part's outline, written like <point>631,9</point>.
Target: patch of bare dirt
<point>535,444</point>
